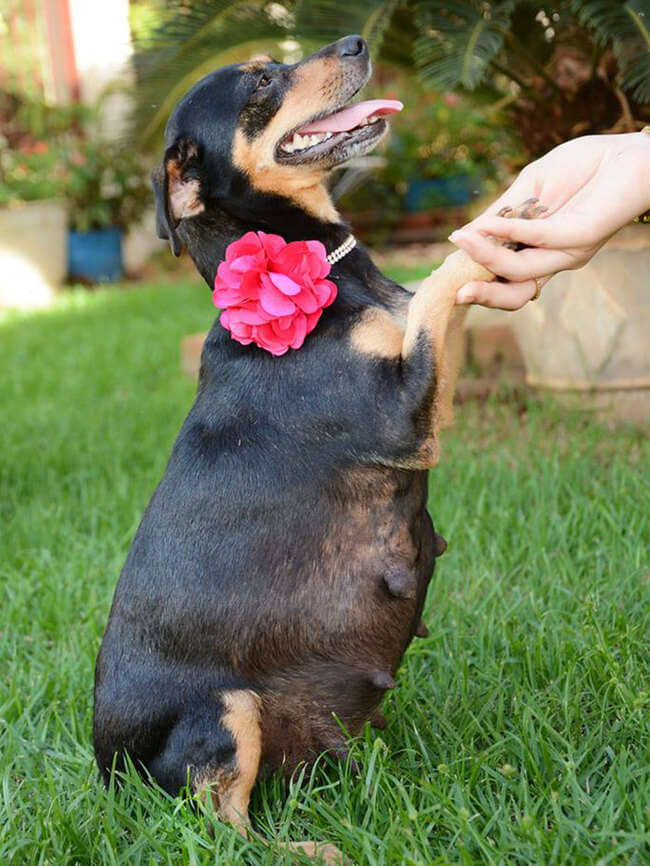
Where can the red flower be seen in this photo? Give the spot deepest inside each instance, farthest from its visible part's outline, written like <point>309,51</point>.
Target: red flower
<point>272,293</point>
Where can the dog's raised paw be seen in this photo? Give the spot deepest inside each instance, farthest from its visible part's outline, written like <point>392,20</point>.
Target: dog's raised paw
<point>528,210</point>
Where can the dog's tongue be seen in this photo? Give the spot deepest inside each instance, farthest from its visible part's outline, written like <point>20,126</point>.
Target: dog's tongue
<point>352,116</point>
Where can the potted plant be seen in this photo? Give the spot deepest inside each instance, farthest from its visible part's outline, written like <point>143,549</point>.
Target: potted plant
<point>32,213</point>
<point>107,190</point>
<point>442,152</point>
<point>446,148</point>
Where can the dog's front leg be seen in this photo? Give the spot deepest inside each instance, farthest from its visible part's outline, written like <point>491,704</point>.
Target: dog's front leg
<point>433,313</point>
<point>434,317</point>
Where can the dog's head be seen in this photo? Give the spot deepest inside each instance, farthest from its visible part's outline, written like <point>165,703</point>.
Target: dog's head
<point>249,137</point>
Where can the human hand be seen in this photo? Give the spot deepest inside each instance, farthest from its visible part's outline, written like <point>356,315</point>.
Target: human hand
<point>591,186</point>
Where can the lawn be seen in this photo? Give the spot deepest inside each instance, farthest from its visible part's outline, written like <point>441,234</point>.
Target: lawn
<point>519,729</point>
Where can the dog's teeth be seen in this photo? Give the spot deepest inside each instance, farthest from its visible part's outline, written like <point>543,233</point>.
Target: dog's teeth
<point>302,142</point>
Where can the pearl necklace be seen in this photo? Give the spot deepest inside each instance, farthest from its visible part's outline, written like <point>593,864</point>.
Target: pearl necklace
<point>347,246</point>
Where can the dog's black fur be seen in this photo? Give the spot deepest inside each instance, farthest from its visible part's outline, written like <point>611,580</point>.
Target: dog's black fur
<point>287,550</point>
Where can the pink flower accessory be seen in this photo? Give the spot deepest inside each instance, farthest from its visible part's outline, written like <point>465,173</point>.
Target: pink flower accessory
<point>272,293</point>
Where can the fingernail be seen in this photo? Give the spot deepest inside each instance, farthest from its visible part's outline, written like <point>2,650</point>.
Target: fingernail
<point>464,296</point>
<point>457,236</point>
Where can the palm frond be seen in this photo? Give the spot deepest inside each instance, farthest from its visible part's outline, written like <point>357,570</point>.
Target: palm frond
<point>188,43</point>
<point>626,26</point>
<point>327,20</point>
<point>636,77</point>
<point>457,40</point>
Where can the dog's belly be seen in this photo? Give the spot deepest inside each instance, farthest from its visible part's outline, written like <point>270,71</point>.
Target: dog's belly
<point>358,624</point>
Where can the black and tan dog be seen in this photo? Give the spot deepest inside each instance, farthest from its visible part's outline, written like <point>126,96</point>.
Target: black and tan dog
<point>280,570</point>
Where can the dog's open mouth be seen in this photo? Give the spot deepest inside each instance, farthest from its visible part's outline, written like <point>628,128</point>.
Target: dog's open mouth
<point>342,134</point>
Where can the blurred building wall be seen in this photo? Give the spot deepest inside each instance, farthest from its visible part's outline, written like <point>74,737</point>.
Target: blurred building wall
<point>63,50</point>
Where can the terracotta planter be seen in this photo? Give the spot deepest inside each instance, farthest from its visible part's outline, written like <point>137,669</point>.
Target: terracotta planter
<point>32,253</point>
<point>588,335</point>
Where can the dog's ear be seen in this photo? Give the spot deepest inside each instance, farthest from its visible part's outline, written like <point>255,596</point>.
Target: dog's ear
<point>176,189</point>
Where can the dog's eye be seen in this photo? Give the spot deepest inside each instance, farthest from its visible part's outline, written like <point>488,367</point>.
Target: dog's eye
<point>264,81</point>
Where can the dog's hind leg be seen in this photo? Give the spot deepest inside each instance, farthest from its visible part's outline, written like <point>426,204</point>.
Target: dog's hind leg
<point>230,786</point>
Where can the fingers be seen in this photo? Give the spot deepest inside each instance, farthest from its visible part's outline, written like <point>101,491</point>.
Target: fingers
<point>533,233</point>
<point>514,266</point>
<point>498,295</point>
<point>552,232</point>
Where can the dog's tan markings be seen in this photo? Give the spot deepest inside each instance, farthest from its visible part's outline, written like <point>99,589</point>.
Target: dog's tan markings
<point>377,334</point>
<point>242,719</point>
<point>430,311</point>
<point>230,789</point>
<point>256,63</point>
<point>303,184</point>
<point>433,311</point>
<point>310,95</point>
<point>454,352</point>
<point>184,198</point>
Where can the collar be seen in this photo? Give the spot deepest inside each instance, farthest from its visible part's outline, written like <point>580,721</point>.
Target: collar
<point>342,250</point>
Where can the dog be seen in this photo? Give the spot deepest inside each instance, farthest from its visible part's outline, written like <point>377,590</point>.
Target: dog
<point>280,570</point>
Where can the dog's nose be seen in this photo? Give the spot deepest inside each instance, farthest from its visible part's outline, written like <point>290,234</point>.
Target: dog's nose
<point>351,46</point>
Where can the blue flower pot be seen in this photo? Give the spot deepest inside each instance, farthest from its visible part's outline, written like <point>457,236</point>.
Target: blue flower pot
<point>95,255</point>
<point>453,190</point>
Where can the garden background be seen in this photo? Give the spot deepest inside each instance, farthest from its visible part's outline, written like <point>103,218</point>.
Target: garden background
<point>519,731</point>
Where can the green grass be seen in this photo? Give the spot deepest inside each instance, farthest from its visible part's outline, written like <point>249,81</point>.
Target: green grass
<point>408,274</point>
<point>519,730</point>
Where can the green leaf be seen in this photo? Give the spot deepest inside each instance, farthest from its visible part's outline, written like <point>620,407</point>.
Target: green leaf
<point>191,41</point>
<point>327,20</point>
<point>636,77</point>
<point>457,40</point>
<point>626,26</point>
